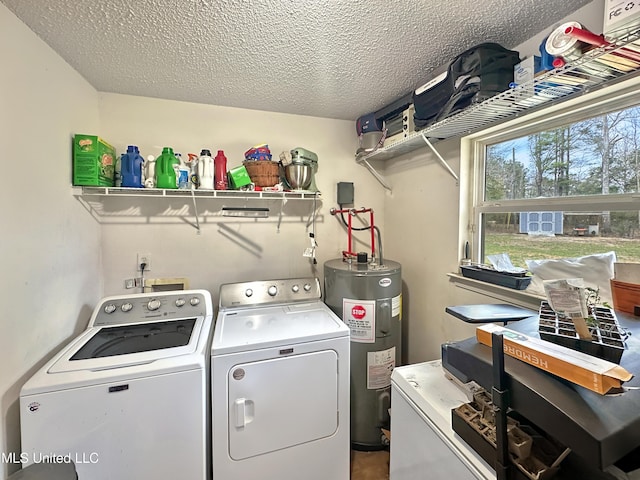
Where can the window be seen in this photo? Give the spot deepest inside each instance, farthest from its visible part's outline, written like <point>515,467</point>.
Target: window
<point>561,182</point>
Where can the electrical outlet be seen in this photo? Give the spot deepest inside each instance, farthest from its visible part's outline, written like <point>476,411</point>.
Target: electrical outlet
<point>144,258</point>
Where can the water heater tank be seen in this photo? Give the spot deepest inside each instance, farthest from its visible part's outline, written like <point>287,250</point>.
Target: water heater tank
<point>368,298</point>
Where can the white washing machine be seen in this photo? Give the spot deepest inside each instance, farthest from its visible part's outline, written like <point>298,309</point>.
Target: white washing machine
<point>280,384</point>
<point>422,438</point>
<point>128,397</point>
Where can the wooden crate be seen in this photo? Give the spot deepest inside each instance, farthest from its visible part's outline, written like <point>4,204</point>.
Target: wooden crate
<point>626,296</point>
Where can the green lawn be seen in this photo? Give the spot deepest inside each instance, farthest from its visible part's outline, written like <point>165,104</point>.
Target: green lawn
<point>521,247</point>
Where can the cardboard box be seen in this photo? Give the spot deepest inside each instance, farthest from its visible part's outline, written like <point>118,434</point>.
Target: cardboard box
<point>238,177</point>
<point>94,161</point>
<point>523,74</point>
<point>621,18</point>
<point>590,372</point>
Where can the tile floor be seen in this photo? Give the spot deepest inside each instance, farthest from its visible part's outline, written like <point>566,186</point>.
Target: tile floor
<point>369,465</point>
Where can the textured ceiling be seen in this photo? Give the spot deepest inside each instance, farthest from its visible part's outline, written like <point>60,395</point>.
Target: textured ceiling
<point>329,58</point>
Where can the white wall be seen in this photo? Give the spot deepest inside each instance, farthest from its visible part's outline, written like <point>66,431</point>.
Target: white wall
<point>422,213</point>
<point>212,258</point>
<point>49,246</point>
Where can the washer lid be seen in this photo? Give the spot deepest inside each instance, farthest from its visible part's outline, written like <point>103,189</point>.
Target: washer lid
<point>105,348</point>
<point>239,330</point>
<point>145,337</point>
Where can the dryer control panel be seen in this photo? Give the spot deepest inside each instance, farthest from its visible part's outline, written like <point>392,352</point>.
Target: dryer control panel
<point>137,308</point>
<point>266,292</point>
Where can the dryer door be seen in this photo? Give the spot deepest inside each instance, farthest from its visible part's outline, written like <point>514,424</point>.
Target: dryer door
<point>282,402</point>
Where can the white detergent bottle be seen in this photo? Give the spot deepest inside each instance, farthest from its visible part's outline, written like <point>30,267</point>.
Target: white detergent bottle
<point>205,170</point>
<point>150,172</point>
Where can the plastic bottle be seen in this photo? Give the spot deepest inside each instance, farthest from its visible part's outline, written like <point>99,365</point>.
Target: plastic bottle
<point>131,167</point>
<point>205,170</point>
<point>221,171</point>
<point>182,173</point>
<point>150,172</point>
<point>117,178</point>
<point>165,173</point>
<point>194,180</point>
<point>176,168</point>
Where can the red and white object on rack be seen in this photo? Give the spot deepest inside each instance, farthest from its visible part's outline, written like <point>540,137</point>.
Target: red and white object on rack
<point>220,167</point>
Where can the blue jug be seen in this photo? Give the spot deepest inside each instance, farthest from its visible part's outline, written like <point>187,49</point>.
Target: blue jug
<point>131,167</point>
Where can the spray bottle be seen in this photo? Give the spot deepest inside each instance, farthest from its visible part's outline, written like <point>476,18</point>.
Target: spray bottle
<point>182,173</point>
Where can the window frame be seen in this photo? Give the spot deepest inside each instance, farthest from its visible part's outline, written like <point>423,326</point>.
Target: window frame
<point>593,102</point>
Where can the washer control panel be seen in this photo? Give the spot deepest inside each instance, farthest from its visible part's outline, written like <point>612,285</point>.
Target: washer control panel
<point>152,306</point>
<point>265,292</point>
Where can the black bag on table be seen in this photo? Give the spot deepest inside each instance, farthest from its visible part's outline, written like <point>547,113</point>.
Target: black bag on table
<point>472,77</point>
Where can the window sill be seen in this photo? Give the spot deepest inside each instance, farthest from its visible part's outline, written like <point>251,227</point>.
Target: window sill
<point>504,294</point>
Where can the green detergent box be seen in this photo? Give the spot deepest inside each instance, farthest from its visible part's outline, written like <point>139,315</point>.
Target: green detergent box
<point>94,161</point>
<point>239,177</point>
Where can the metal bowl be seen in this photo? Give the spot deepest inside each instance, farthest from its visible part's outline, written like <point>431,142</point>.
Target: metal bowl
<point>298,175</point>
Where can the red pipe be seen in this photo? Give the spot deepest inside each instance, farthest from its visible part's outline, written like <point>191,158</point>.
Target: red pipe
<point>350,233</point>
<point>586,36</point>
<point>599,41</point>
<point>352,212</point>
<point>373,243</point>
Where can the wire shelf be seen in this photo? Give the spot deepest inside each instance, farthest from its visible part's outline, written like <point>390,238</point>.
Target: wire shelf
<point>597,67</point>
<point>199,194</point>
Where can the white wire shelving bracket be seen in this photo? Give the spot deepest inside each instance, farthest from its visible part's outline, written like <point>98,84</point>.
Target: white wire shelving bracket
<point>442,160</point>
<point>596,68</point>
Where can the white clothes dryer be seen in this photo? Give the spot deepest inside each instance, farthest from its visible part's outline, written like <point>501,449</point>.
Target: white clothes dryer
<point>128,398</point>
<point>280,379</point>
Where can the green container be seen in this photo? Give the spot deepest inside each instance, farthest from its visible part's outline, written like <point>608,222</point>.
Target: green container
<point>165,173</point>
<point>238,177</point>
<point>94,161</point>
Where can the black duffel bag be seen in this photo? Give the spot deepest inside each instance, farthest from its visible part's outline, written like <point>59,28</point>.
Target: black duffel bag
<point>473,76</point>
